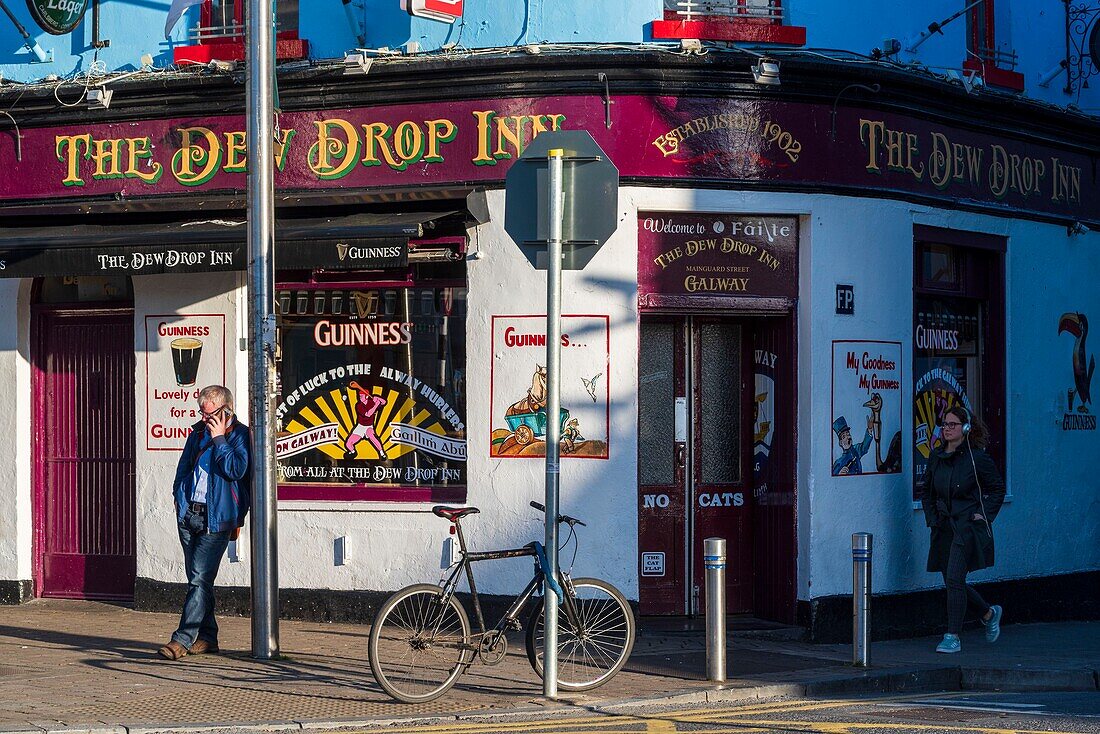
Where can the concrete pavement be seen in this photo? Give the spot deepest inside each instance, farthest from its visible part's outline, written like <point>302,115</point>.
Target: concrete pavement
<point>83,666</point>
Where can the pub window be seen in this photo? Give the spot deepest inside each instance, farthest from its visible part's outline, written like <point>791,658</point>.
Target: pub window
<point>85,289</point>
<point>989,51</point>
<point>372,394</point>
<point>220,32</point>
<point>226,18</point>
<point>939,267</point>
<point>758,21</point>
<point>958,335</point>
<point>768,11</point>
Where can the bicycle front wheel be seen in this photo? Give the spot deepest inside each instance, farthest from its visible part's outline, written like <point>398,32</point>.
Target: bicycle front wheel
<point>419,644</point>
<point>593,645</point>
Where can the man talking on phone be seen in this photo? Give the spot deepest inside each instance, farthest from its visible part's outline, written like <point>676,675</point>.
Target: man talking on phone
<point>212,495</point>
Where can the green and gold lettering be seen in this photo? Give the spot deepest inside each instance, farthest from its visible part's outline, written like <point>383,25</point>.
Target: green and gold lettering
<point>236,152</point>
<point>484,138</point>
<point>140,149</point>
<point>108,158</point>
<point>439,131</point>
<point>199,156</point>
<point>870,134</point>
<point>333,157</point>
<point>376,136</point>
<point>68,150</point>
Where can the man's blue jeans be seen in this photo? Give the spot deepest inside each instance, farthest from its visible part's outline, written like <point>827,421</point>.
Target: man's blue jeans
<point>202,554</point>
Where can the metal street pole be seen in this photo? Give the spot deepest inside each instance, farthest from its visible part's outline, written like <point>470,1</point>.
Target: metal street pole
<point>553,420</point>
<point>714,567</point>
<point>259,108</point>
<point>861,598</point>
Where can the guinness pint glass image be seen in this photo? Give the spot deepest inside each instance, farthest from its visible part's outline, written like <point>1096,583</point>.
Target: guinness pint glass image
<point>186,353</point>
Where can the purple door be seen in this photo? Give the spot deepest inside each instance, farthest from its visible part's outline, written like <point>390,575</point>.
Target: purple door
<point>84,441</point>
<point>693,460</point>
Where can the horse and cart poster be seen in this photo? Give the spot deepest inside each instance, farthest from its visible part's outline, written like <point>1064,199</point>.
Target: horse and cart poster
<point>517,400</point>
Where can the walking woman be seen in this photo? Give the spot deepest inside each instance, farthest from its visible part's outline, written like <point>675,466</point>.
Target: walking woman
<point>962,494</point>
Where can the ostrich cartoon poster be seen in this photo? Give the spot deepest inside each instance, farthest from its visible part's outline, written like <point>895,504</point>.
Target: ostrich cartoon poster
<point>518,398</point>
<point>866,417</point>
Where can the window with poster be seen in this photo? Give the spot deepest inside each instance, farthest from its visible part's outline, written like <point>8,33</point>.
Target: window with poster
<point>221,29</point>
<point>372,395</point>
<point>958,337</point>
<point>756,21</point>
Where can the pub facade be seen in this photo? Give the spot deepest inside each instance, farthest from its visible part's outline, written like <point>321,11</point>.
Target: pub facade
<point>800,284</point>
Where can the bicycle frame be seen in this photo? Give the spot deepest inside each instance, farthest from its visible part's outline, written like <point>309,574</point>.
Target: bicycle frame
<point>514,610</point>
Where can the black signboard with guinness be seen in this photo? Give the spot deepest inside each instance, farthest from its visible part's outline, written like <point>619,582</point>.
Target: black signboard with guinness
<point>353,242</point>
<point>351,254</point>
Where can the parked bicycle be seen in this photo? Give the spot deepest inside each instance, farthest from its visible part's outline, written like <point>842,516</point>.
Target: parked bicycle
<point>421,640</point>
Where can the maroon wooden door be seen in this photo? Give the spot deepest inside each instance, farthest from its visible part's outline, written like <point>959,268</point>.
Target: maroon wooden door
<point>720,457</point>
<point>84,442</point>
<point>662,467</point>
<point>774,441</point>
<point>693,460</point>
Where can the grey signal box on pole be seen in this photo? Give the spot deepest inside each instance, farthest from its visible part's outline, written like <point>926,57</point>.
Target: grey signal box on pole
<point>591,183</point>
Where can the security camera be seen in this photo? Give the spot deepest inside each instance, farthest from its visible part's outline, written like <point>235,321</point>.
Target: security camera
<point>1048,76</point>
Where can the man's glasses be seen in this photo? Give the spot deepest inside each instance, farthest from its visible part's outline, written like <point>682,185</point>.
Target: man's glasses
<point>951,424</point>
<point>212,415</point>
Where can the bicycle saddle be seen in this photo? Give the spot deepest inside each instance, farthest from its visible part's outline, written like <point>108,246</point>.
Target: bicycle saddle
<point>454,513</point>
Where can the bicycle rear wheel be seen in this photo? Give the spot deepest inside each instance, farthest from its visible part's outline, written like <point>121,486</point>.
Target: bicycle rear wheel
<point>597,646</point>
<point>419,645</point>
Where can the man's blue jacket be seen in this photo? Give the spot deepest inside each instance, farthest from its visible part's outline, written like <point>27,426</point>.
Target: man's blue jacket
<point>229,492</point>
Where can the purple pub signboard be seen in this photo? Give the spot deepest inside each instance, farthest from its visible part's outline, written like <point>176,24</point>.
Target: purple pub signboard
<point>686,257</point>
<point>668,138</point>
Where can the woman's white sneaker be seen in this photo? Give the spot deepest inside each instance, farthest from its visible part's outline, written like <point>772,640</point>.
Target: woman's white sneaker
<point>993,624</point>
<point>949,644</point>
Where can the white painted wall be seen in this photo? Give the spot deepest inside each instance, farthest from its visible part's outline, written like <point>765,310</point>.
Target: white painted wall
<point>1051,526</point>
<point>158,551</point>
<point>396,545</point>
<point>15,425</point>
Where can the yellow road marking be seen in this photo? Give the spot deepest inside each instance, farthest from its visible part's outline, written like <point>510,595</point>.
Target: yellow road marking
<point>665,722</point>
<point>846,727</point>
<point>694,714</point>
<point>581,722</point>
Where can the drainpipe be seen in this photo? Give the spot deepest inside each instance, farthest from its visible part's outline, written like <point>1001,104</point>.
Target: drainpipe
<point>29,43</point>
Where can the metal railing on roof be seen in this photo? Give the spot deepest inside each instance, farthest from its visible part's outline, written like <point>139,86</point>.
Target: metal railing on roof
<point>771,10</point>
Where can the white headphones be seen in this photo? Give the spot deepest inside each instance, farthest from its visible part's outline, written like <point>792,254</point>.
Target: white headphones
<point>966,427</point>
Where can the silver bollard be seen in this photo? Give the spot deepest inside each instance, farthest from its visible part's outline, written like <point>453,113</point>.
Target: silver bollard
<point>861,598</point>
<point>714,565</point>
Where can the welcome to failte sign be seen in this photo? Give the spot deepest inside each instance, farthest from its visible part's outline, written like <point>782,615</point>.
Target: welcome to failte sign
<point>58,16</point>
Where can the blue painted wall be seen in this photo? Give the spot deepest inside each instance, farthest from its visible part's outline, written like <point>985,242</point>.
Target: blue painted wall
<point>1035,31</point>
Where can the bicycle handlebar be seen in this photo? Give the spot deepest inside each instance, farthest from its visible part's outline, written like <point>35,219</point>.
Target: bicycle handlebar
<point>571,521</point>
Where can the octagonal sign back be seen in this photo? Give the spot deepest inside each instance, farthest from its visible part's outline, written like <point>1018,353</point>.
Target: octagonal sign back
<point>591,206</point>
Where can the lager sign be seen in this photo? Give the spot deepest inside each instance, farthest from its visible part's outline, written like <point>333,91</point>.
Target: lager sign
<point>58,16</point>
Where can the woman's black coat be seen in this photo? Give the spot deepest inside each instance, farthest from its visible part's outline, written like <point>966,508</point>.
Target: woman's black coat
<point>951,498</point>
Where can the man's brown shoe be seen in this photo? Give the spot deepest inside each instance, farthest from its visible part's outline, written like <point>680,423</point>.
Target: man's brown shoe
<point>202,646</point>
<point>172,651</point>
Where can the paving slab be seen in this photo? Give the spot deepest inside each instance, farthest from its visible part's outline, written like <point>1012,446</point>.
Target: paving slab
<point>87,668</point>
